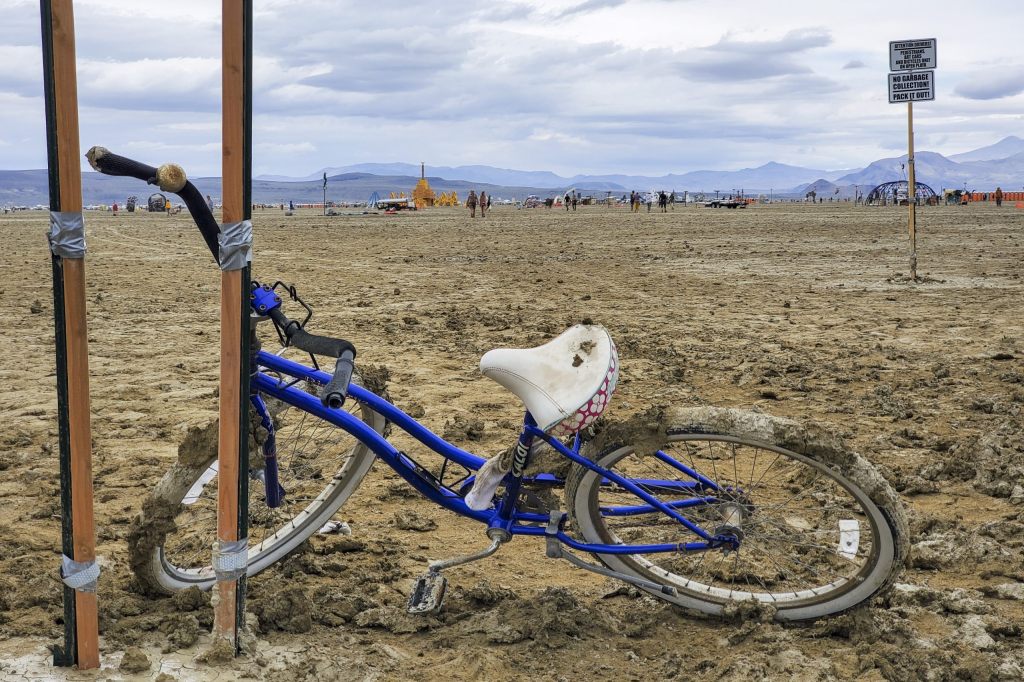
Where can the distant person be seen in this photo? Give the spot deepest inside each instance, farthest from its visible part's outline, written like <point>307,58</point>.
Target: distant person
<point>209,203</point>
<point>471,203</point>
<point>999,196</point>
<point>489,202</point>
<point>575,199</point>
<point>114,207</point>
<point>566,200</point>
<point>167,206</point>
<point>672,199</point>
<point>650,200</point>
<point>291,205</point>
<point>663,201</point>
<point>483,204</point>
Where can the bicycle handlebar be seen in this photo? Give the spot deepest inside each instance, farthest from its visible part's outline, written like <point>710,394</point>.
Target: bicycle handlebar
<point>169,177</point>
<point>334,393</point>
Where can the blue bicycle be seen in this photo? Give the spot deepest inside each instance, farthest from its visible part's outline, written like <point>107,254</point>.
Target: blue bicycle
<point>702,507</point>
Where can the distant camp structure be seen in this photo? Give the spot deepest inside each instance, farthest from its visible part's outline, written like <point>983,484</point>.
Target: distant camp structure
<point>898,192</point>
<point>448,199</point>
<point>157,203</point>
<point>422,195</point>
<point>373,200</point>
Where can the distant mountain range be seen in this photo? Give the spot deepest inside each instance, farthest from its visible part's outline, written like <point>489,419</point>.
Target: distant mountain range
<point>1000,164</point>
<point>769,175</point>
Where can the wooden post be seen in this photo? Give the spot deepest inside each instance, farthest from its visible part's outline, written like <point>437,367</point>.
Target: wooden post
<point>81,630</point>
<point>232,489</point>
<point>912,192</point>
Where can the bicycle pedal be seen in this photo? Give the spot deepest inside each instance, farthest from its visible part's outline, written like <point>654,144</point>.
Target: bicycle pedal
<point>427,594</point>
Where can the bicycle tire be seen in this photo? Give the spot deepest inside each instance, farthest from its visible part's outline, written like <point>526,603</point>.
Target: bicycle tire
<point>164,512</point>
<point>818,518</point>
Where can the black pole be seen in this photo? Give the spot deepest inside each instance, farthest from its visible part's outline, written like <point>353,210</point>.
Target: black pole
<point>246,349</point>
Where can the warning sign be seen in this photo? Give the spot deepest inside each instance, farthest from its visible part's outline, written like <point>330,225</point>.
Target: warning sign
<point>911,87</point>
<point>912,55</point>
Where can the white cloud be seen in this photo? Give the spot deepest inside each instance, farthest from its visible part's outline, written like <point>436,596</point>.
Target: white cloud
<point>638,86</point>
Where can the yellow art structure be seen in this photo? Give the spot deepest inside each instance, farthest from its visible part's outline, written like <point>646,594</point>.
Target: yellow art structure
<point>447,199</point>
<point>422,195</point>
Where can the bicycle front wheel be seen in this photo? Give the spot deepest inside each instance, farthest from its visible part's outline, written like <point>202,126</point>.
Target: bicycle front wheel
<point>820,530</point>
<point>319,466</point>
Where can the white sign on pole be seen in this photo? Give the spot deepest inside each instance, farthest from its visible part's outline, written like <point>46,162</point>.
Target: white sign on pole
<point>912,55</point>
<point>911,87</point>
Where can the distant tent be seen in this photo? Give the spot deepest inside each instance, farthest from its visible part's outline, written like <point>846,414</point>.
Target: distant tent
<point>157,203</point>
<point>373,200</point>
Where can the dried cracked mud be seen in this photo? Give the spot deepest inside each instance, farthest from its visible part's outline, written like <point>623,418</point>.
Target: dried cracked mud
<point>798,311</point>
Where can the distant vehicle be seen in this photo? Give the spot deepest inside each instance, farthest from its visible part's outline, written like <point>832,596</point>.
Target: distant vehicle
<point>404,204</point>
<point>725,203</point>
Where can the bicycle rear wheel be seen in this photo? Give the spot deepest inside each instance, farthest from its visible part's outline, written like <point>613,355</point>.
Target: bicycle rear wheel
<point>820,529</point>
<point>319,466</point>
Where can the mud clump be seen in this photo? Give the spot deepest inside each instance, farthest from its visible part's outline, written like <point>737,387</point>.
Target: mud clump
<point>134,661</point>
<point>182,631</point>
<point>375,379</point>
<point>289,610</point>
<point>394,619</point>
<point>221,652</point>
<point>146,533</point>
<point>407,519</point>
<point>461,427</point>
<point>192,599</point>
<point>552,619</point>
<point>416,411</point>
<point>995,462</point>
<point>750,610</point>
<point>199,445</point>
<point>644,431</point>
<point>335,607</point>
<point>486,594</point>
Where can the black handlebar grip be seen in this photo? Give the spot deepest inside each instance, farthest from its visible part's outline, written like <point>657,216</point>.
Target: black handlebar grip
<point>335,392</point>
<point>108,163</point>
<point>319,345</point>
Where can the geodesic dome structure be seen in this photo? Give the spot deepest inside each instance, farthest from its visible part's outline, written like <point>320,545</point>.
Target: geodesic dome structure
<point>892,192</point>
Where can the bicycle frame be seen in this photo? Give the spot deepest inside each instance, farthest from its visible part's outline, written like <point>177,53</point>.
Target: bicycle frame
<point>505,515</point>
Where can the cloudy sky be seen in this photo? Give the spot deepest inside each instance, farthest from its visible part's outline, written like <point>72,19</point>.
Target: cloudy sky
<point>571,86</point>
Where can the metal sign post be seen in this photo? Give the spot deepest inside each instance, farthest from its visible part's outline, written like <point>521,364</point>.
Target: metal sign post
<point>913,80</point>
<point>79,570</point>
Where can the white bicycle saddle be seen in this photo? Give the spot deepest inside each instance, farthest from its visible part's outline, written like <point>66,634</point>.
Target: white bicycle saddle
<point>565,384</point>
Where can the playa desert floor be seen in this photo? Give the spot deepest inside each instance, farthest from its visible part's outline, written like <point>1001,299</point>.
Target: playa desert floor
<point>796,310</point>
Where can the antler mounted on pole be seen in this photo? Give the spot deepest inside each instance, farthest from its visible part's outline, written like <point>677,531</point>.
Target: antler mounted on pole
<point>79,570</point>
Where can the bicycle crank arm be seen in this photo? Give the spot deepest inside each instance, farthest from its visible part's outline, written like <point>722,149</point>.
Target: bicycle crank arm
<point>429,589</point>
<point>555,550</point>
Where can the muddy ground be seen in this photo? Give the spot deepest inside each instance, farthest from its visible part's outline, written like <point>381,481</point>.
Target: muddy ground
<point>802,311</point>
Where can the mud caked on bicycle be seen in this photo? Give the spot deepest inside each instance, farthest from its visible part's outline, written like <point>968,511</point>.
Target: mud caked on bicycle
<point>701,507</point>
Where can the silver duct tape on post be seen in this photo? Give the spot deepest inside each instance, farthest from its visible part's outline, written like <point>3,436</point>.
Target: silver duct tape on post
<point>230,559</point>
<point>235,240</point>
<point>81,576</point>
<point>67,234</point>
